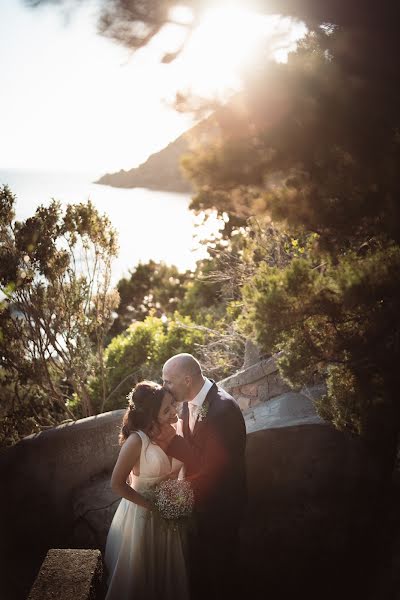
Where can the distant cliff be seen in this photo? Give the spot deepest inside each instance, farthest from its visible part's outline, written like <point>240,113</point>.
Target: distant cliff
<point>161,171</point>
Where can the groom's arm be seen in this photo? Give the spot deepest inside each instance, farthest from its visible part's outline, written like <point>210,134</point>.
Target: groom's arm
<point>222,447</point>
<point>195,457</point>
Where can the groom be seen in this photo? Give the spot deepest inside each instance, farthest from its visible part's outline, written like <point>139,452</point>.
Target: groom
<point>212,450</point>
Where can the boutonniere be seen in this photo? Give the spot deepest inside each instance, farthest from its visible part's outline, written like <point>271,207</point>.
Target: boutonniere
<point>203,411</point>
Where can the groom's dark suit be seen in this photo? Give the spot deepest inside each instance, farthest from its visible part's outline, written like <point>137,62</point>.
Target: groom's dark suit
<point>215,464</point>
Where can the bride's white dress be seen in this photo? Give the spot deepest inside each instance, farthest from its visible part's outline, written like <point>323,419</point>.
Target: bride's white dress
<point>146,559</point>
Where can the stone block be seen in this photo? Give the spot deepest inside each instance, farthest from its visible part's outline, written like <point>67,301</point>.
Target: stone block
<point>235,392</point>
<point>250,389</point>
<point>276,386</point>
<point>250,375</point>
<point>263,391</point>
<point>254,402</point>
<point>243,401</point>
<point>69,575</point>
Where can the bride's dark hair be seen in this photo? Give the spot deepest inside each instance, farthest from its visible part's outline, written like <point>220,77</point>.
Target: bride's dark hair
<point>144,402</point>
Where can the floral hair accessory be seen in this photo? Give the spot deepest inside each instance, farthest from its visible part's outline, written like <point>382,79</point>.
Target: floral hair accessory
<point>131,404</point>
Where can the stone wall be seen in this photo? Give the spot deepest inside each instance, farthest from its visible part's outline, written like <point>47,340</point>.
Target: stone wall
<point>315,494</point>
<point>255,384</point>
<point>314,506</point>
<point>41,476</point>
<point>265,399</point>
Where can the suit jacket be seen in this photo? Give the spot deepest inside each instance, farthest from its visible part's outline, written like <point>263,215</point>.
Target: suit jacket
<point>214,457</point>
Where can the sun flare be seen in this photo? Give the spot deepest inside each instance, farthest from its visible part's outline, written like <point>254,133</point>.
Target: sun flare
<point>97,106</point>
<point>226,39</point>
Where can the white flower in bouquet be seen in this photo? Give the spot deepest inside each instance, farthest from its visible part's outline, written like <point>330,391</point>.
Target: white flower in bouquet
<point>174,499</point>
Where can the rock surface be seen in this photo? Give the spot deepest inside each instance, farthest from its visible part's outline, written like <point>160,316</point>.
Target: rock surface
<point>94,505</point>
<point>43,472</point>
<point>286,410</point>
<point>69,575</point>
<point>314,496</point>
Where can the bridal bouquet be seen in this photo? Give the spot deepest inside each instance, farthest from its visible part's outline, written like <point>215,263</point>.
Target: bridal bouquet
<point>174,499</point>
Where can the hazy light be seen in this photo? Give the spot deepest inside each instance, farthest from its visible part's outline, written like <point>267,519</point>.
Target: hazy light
<point>81,102</point>
<point>226,39</point>
<point>73,100</point>
<point>181,14</point>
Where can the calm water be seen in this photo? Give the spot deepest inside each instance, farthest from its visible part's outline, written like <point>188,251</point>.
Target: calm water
<point>157,225</point>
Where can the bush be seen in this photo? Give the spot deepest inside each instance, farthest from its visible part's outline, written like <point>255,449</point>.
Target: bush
<point>140,352</point>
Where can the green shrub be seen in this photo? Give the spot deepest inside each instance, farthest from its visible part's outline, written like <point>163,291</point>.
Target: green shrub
<point>140,352</point>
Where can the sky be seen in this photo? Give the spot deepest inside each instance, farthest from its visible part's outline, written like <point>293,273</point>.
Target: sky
<point>75,101</point>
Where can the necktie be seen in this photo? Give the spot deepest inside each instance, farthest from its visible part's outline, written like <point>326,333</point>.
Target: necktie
<point>193,410</point>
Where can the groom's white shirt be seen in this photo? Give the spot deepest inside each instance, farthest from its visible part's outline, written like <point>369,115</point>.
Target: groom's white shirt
<point>197,402</point>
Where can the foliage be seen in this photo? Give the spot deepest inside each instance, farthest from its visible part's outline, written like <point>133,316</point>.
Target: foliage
<point>341,319</point>
<point>313,145</point>
<point>140,352</point>
<point>204,296</point>
<point>214,297</point>
<point>309,145</point>
<point>152,288</point>
<point>24,410</point>
<point>304,142</point>
<point>55,277</point>
<point>135,23</point>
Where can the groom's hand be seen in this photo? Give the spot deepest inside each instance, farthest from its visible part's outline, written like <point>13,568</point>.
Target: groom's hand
<point>164,438</point>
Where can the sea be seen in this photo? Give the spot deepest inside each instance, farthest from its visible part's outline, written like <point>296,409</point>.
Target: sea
<point>150,224</point>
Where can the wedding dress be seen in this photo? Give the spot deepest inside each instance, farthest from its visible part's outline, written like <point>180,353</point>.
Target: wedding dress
<point>145,558</point>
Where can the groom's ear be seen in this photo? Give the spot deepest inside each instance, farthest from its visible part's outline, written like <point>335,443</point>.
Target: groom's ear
<point>188,380</point>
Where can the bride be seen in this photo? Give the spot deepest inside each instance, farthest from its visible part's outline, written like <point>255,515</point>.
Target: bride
<point>144,557</point>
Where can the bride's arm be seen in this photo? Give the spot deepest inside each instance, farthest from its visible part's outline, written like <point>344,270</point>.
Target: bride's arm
<point>128,457</point>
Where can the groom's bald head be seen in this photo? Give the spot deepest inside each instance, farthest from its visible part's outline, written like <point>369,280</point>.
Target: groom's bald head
<point>184,363</point>
<point>183,377</point>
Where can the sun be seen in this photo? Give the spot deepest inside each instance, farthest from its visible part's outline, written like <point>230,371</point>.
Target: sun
<point>226,39</point>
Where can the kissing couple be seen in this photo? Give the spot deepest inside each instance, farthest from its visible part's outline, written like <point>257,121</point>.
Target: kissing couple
<point>149,556</point>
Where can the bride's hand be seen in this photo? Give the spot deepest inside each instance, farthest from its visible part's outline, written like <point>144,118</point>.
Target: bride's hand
<point>165,436</point>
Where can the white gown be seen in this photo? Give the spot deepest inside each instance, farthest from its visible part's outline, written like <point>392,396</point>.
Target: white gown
<point>144,558</point>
